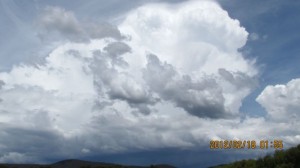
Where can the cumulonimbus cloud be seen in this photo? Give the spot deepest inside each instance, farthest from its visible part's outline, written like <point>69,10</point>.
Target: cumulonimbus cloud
<point>169,76</point>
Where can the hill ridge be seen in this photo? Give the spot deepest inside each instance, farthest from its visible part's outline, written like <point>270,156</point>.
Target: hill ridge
<point>77,163</point>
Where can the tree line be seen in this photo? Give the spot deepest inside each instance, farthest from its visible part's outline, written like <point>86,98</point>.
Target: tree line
<point>289,158</point>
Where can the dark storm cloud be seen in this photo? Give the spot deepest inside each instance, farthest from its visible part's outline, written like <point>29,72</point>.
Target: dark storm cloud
<point>199,98</point>
<point>28,143</point>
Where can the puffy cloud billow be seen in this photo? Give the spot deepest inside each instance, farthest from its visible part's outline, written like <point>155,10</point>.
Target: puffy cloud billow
<point>282,102</point>
<point>168,75</point>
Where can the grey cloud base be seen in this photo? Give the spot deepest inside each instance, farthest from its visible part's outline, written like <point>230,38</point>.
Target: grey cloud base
<point>201,99</point>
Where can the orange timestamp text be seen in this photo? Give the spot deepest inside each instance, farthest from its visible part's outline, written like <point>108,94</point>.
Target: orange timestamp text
<point>246,144</point>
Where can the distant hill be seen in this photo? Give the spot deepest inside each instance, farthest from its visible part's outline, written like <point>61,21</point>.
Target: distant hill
<point>73,163</point>
<point>289,158</point>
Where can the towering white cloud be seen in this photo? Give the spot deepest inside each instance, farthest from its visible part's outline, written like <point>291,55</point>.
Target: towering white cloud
<point>171,77</point>
<point>198,41</point>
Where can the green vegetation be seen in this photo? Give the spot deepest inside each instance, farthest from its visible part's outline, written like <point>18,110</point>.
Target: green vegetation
<point>289,158</point>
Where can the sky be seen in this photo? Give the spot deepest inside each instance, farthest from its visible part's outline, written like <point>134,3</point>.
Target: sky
<point>147,82</point>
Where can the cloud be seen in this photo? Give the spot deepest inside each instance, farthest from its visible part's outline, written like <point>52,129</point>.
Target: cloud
<point>23,144</point>
<point>190,40</point>
<point>202,99</point>
<point>84,150</point>
<point>168,76</point>
<point>83,86</point>
<point>1,84</point>
<point>102,30</point>
<point>282,102</point>
<point>254,37</point>
<point>14,157</point>
<point>115,84</point>
<point>60,22</point>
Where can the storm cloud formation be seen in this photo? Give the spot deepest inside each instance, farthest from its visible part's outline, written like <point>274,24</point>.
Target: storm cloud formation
<point>168,75</point>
